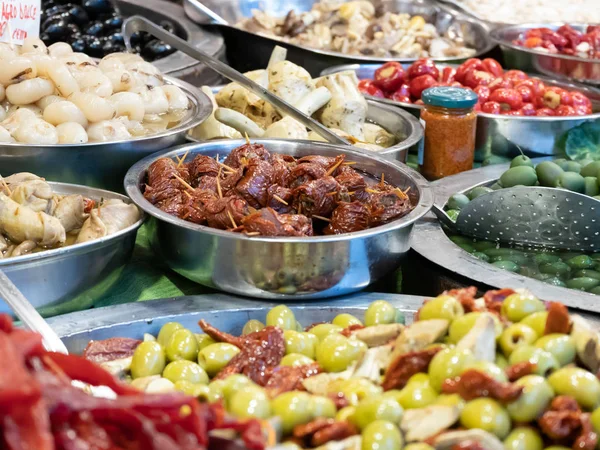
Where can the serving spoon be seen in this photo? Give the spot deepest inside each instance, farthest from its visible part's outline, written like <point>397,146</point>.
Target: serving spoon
<point>138,23</point>
<point>31,319</point>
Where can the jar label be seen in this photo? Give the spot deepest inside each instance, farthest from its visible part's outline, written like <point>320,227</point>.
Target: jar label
<point>20,20</point>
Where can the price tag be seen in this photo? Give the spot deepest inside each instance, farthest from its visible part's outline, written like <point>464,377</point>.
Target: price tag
<point>19,20</point>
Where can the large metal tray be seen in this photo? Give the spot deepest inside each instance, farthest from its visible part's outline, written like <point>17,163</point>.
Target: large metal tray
<point>504,134</point>
<point>101,164</point>
<point>284,268</point>
<point>430,241</point>
<point>248,51</point>
<point>570,68</point>
<point>79,273</point>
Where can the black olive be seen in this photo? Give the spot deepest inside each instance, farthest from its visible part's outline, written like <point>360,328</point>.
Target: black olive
<point>156,49</point>
<point>45,38</point>
<point>78,15</point>
<point>116,38</point>
<point>56,29</point>
<point>94,47</point>
<point>94,29</point>
<point>56,9</point>
<point>113,23</point>
<point>136,39</point>
<point>78,45</point>
<point>168,26</point>
<point>97,7</point>
<point>72,30</point>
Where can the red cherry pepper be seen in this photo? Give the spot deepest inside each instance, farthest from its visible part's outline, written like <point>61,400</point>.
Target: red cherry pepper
<point>491,108</point>
<point>389,77</point>
<point>578,99</point>
<point>367,87</point>
<point>483,94</point>
<point>545,112</point>
<point>515,75</point>
<point>581,110</point>
<point>500,83</point>
<point>419,84</point>
<point>492,66</point>
<point>474,63</point>
<point>474,78</point>
<point>403,90</point>
<point>565,110</point>
<point>423,67</point>
<point>518,112</point>
<point>509,99</point>
<point>528,109</point>
<point>526,92</point>
<point>536,86</point>
<point>554,97</point>
<point>448,74</point>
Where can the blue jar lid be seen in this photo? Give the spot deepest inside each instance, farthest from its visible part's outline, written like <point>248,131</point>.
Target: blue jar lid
<point>449,97</point>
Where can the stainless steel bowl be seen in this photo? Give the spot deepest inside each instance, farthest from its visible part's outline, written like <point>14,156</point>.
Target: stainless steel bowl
<point>178,64</point>
<point>275,267</point>
<point>504,134</point>
<point>78,274</point>
<point>248,51</point>
<point>430,241</point>
<point>571,68</point>
<point>404,126</point>
<point>101,164</point>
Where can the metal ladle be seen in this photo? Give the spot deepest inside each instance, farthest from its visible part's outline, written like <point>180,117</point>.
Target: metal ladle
<point>29,315</point>
<point>138,23</point>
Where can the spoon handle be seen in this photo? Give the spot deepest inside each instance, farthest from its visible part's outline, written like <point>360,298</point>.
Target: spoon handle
<point>28,315</point>
<point>138,23</point>
<point>208,12</point>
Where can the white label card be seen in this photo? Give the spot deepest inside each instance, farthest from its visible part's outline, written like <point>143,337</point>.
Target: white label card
<point>19,20</point>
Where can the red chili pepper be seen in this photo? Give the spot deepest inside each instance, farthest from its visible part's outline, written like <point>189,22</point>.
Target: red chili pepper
<point>419,84</point>
<point>528,109</point>
<point>545,112</point>
<point>565,110</point>
<point>501,83</point>
<point>389,77</point>
<point>491,108</point>
<point>483,94</point>
<point>448,74</point>
<point>515,75</point>
<point>509,99</point>
<point>369,88</point>
<point>474,78</point>
<point>474,63</point>
<point>492,66</point>
<point>423,67</point>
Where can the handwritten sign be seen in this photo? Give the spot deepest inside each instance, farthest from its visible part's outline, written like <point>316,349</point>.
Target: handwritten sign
<point>19,19</point>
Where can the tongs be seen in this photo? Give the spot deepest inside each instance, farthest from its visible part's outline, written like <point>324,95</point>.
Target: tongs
<point>531,216</point>
<point>138,23</point>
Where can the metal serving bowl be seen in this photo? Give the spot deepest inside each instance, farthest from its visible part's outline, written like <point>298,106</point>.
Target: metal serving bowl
<point>101,164</point>
<point>504,134</point>
<point>178,64</point>
<point>430,241</point>
<point>248,51</point>
<point>404,126</point>
<point>79,273</point>
<point>572,68</point>
<point>276,267</point>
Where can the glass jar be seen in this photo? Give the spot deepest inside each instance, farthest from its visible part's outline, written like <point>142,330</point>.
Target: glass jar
<point>450,125</point>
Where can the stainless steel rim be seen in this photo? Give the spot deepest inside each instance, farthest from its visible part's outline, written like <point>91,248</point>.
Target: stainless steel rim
<point>84,247</point>
<point>135,174</point>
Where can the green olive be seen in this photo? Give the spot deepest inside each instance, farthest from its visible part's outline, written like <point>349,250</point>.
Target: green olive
<point>215,390</point>
<point>515,335</point>
<point>354,389</point>
<point>571,181</point>
<point>467,248</point>
<point>536,396</point>
<point>166,331</point>
<point>442,307</point>
<point>561,346</point>
<point>501,251</point>
<point>523,438</point>
<point>300,343</point>
<point>250,402</point>
<point>521,160</point>
<point>252,326</point>
<point>344,414</point>
<point>517,306</point>
<point>336,352</point>
<point>595,418</point>
<point>490,369</point>
<point>501,361</point>
<point>453,214</point>
<point>591,169</point>
<point>183,370</point>
<point>381,435</point>
<point>546,258</point>
<point>517,259</point>
<point>580,262</point>
<point>448,363</point>
<point>558,268</point>
<point>587,273</point>
<point>579,384</point>
<point>203,340</point>
<point>322,407</point>
<point>200,391</point>
<point>295,360</point>
<point>292,408</point>
<point>555,281</point>
<point>416,395</point>
<point>592,186</point>
<point>544,361</point>
<point>595,291</point>
<point>537,321</point>
<point>216,356</point>
<point>519,176</point>
<point>478,192</point>
<point>506,265</point>
<point>451,400</point>
<point>582,283</point>
<point>148,359</point>
<point>345,320</point>
<point>486,414</point>
<point>234,383</point>
<point>281,316</point>
<point>457,201</point>
<point>482,256</point>
<point>548,173</point>
<point>461,326</point>
<point>323,330</point>
<point>572,166</point>
<point>182,345</point>
<point>459,240</point>
<point>380,312</point>
<point>418,446</point>
<point>378,408</point>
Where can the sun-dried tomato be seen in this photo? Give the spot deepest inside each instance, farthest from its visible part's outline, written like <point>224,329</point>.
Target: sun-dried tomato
<point>287,378</point>
<point>558,319</point>
<point>588,438</point>
<point>321,431</point>
<point>493,299</point>
<point>221,336</point>
<point>473,384</point>
<point>110,349</point>
<point>560,424</point>
<point>339,399</point>
<point>405,366</point>
<point>348,330</point>
<point>468,445</point>
<point>564,403</point>
<point>519,370</point>
<point>466,297</point>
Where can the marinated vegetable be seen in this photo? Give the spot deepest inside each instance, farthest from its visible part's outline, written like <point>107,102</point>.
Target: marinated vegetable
<point>565,40</point>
